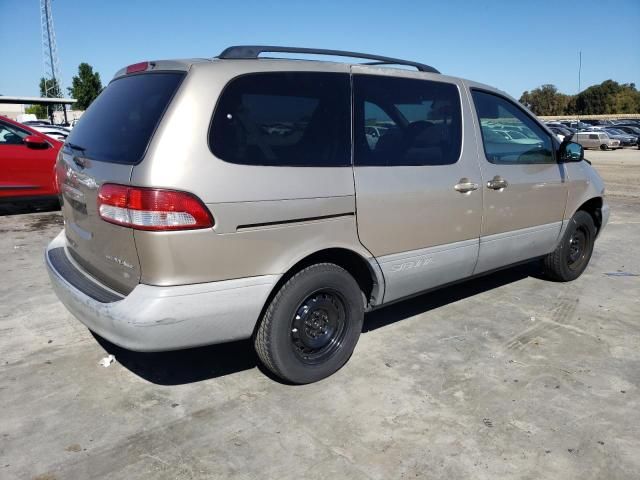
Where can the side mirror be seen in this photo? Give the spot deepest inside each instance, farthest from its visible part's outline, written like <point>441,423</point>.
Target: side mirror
<point>35,142</point>
<point>571,152</point>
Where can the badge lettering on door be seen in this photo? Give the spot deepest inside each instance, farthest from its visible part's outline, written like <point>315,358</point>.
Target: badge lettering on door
<point>412,264</point>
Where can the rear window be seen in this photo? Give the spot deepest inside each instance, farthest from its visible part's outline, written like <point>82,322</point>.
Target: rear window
<point>118,125</point>
<point>284,119</point>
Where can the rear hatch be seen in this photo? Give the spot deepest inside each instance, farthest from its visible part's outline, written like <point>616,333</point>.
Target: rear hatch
<point>110,139</point>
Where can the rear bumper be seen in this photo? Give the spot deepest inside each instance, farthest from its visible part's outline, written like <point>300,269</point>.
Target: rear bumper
<point>155,318</point>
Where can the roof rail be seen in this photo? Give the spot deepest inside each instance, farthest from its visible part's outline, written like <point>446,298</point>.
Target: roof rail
<point>253,51</point>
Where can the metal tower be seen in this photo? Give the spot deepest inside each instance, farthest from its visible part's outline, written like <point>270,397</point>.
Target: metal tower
<point>50,53</point>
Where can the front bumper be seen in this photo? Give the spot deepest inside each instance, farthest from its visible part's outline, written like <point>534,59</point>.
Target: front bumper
<point>153,318</point>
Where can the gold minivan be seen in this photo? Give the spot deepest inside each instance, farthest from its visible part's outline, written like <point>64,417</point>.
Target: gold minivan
<point>211,200</point>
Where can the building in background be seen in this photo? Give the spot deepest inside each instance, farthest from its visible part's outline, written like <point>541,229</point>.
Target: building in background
<point>11,110</point>
<point>11,107</point>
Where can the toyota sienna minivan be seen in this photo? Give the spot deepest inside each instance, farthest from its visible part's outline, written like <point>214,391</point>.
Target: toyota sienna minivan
<point>211,200</point>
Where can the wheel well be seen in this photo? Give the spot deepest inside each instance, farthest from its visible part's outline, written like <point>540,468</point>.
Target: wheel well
<point>352,262</point>
<point>594,208</point>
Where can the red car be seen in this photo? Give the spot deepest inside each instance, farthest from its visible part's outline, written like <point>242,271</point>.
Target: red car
<point>27,163</point>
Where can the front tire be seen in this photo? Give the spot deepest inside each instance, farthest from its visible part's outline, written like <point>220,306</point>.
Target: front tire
<point>572,255</point>
<point>312,325</point>
<point>604,147</point>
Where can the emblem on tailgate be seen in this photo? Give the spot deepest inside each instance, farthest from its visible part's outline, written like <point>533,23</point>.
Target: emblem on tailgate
<point>119,261</point>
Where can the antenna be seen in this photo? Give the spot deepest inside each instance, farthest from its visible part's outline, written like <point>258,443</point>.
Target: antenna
<point>579,82</point>
<point>579,69</point>
<point>50,55</point>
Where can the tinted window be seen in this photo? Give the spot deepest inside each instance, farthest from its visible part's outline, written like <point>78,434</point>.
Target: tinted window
<point>118,125</point>
<point>284,119</point>
<point>510,136</point>
<point>401,121</point>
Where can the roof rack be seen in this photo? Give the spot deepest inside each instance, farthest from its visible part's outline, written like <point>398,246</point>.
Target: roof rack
<point>253,51</point>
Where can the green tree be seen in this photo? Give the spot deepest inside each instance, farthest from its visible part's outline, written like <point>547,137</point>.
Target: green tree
<point>40,111</point>
<point>545,100</point>
<point>609,97</point>
<point>627,101</point>
<point>86,86</point>
<point>50,88</point>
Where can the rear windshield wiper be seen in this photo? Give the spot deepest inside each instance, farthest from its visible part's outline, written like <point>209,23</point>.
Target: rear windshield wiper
<point>76,147</point>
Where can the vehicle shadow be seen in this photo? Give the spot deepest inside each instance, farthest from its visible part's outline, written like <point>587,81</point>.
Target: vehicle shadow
<point>180,367</point>
<point>443,296</point>
<point>21,208</point>
<point>203,363</point>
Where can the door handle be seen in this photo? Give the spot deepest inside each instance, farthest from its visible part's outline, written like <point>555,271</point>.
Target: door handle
<point>465,186</point>
<point>497,183</point>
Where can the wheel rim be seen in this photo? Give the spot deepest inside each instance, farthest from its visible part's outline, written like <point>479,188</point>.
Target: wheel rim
<point>319,326</point>
<point>577,251</point>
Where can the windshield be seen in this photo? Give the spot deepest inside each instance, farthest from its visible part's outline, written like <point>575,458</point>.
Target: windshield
<point>118,125</point>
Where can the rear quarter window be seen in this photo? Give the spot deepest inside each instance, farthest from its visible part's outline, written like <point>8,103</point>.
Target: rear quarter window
<point>283,119</point>
<point>118,125</point>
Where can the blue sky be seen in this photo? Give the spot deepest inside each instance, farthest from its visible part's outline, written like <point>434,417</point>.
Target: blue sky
<point>512,45</point>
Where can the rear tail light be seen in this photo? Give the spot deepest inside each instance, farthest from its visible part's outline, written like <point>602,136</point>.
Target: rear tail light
<point>152,208</point>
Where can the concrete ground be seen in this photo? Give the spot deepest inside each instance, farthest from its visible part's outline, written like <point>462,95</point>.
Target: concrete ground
<point>508,376</point>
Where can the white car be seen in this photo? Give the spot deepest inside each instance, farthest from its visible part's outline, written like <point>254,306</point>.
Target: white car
<point>58,133</point>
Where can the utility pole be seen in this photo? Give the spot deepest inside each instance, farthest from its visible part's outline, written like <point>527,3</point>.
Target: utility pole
<point>51,66</point>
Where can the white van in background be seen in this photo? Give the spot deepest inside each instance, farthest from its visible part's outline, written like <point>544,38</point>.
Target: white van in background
<point>596,140</point>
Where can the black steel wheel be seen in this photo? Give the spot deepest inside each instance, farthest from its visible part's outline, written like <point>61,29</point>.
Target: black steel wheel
<point>318,326</point>
<point>312,324</point>
<point>572,255</point>
<point>577,251</point>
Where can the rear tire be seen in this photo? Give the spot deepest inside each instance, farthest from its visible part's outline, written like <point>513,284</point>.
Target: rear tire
<point>572,255</point>
<point>312,325</point>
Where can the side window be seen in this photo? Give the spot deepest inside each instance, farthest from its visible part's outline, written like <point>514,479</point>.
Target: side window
<point>509,135</point>
<point>284,119</point>
<point>10,135</point>
<point>403,121</point>
<point>593,136</point>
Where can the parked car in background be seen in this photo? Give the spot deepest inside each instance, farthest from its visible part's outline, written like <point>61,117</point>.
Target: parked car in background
<point>597,122</point>
<point>635,131</point>
<point>596,139</point>
<point>566,131</point>
<point>26,117</point>
<point>626,140</point>
<point>59,133</point>
<point>32,123</point>
<point>560,132</point>
<point>27,163</point>
<point>628,122</point>
<point>575,124</point>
